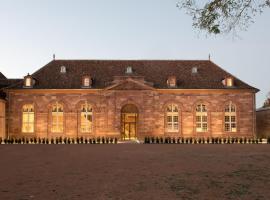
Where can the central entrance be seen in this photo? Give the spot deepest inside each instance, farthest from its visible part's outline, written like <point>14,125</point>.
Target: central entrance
<point>129,120</point>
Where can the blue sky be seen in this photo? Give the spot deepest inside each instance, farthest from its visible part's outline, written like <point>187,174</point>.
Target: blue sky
<point>31,31</point>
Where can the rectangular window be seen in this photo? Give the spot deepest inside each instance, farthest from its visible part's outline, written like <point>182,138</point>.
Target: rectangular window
<point>57,122</point>
<point>28,119</point>
<point>86,82</point>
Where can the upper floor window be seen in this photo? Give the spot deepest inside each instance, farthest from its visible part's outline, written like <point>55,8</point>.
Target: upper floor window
<point>171,82</point>
<point>86,81</point>
<point>201,118</point>
<point>63,69</point>
<point>194,70</point>
<point>129,70</point>
<point>86,118</point>
<point>28,81</point>
<point>228,82</point>
<point>57,118</point>
<point>230,118</point>
<point>172,121</point>
<point>28,118</point>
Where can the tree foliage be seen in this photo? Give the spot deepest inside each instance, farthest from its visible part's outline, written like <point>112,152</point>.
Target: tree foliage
<point>223,16</point>
<point>267,101</point>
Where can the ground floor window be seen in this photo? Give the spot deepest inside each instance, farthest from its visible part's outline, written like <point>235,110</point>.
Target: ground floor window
<point>86,118</point>
<point>201,118</point>
<point>57,118</point>
<point>230,118</point>
<point>172,121</point>
<point>28,118</point>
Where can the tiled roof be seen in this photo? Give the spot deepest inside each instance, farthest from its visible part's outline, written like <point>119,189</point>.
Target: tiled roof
<point>209,75</point>
<point>2,76</point>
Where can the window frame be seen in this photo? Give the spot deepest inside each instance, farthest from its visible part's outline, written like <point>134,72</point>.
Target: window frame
<point>28,118</point>
<point>57,117</point>
<point>230,114</point>
<point>201,115</point>
<point>90,113</point>
<point>171,128</point>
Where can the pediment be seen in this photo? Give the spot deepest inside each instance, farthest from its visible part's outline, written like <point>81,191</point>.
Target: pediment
<point>129,84</point>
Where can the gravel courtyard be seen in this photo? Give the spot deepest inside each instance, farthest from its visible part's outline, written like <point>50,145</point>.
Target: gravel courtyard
<point>135,171</point>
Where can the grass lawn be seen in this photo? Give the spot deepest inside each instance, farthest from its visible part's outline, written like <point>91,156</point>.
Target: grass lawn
<point>135,171</point>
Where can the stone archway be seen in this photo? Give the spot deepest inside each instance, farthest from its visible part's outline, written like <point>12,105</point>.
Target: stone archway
<point>129,122</point>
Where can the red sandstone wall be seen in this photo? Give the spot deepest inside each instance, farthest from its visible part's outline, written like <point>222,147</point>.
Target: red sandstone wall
<point>151,104</point>
<point>2,119</point>
<point>263,123</point>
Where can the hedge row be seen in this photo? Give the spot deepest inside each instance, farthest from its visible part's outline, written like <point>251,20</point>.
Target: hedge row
<point>172,140</point>
<point>60,140</point>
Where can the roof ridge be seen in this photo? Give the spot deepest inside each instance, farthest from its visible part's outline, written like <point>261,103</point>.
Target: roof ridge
<point>185,60</point>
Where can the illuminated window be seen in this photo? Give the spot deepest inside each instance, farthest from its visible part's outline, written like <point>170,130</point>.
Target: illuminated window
<point>86,118</point>
<point>172,124</point>
<point>201,118</point>
<point>57,118</point>
<point>230,118</point>
<point>228,82</point>
<point>171,82</point>
<point>28,82</point>
<point>86,82</point>
<point>28,118</point>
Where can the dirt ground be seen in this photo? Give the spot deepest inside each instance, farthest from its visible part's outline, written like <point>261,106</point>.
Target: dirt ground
<point>135,171</point>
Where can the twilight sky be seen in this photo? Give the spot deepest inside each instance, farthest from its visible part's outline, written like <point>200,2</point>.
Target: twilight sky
<point>31,31</point>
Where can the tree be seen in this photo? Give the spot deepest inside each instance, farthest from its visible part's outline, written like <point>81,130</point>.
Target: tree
<point>267,101</point>
<point>223,16</point>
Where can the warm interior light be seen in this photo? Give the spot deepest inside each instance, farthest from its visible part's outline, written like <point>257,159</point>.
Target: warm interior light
<point>28,82</point>
<point>229,82</point>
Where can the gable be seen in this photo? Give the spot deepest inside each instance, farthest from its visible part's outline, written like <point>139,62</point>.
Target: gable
<point>129,84</point>
<point>2,76</point>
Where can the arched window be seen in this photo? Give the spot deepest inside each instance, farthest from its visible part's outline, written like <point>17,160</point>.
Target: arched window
<point>86,118</point>
<point>230,118</point>
<point>172,124</point>
<point>57,118</point>
<point>201,118</point>
<point>28,118</point>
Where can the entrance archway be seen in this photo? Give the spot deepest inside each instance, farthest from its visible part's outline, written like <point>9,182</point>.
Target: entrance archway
<point>129,121</point>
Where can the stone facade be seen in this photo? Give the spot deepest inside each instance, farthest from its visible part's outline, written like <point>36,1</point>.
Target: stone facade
<point>128,98</point>
<point>263,122</point>
<point>151,105</point>
<point>2,118</point>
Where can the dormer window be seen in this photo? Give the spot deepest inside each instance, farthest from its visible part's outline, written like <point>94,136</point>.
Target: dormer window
<point>171,82</point>
<point>228,82</point>
<point>86,81</point>
<point>28,81</point>
<point>194,70</point>
<point>63,69</point>
<point>129,70</point>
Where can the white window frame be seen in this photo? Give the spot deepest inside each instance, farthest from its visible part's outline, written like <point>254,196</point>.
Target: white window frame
<point>86,126</point>
<point>201,118</point>
<point>28,113</point>
<point>58,124</point>
<point>230,113</point>
<point>172,118</point>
